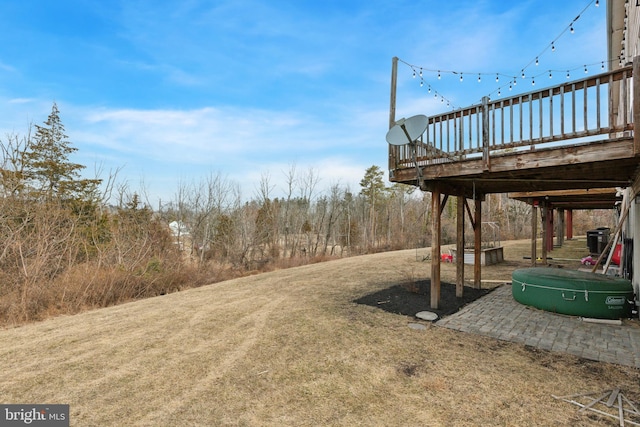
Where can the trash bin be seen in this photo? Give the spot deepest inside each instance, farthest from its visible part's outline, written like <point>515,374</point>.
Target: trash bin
<point>597,240</point>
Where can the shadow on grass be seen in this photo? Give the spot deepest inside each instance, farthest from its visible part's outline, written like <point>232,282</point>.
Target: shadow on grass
<point>409,299</point>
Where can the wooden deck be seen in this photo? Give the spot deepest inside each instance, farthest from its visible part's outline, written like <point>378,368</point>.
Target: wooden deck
<point>567,147</point>
<point>577,135</point>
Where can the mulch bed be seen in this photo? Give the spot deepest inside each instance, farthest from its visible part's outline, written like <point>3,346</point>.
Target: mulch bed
<point>409,299</point>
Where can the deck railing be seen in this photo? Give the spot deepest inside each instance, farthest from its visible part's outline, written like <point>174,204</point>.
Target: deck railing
<point>594,108</point>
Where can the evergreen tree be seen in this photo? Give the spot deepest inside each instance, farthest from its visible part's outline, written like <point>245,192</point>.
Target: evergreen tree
<point>373,189</point>
<point>49,172</point>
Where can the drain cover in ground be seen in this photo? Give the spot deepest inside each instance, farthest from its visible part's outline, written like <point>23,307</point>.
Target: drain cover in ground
<point>427,315</point>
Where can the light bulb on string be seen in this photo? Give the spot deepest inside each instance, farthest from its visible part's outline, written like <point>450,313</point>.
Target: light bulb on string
<point>512,81</point>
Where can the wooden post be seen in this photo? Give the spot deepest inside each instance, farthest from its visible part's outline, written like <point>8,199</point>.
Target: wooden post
<point>636,105</point>
<point>435,249</point>
<point>560,228</point>
<point>460,247</point>
<point>392,110</point>
<point>485,133</point>
<point>549,228</point>
<point>534,235</point>
<point>545,230</point>
<point>477,247</point>
<point>569,224</point>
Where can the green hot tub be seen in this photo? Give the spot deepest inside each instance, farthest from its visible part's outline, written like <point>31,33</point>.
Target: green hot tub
<point>572,292</point>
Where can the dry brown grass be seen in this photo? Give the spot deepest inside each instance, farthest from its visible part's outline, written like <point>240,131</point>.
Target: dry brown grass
<point>290,347</point>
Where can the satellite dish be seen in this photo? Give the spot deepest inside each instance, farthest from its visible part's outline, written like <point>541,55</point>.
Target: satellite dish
<point>407,131</point>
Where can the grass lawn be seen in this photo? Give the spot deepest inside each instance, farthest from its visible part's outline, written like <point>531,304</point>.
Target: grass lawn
<point>291,347</point>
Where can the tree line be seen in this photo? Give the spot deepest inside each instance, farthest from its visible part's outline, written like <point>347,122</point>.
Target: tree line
<point>70,243</point>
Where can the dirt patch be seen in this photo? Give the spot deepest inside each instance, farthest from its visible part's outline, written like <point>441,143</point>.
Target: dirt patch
<point>409,299</point>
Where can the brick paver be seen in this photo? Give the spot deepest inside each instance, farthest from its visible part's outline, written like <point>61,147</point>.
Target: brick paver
<point>499,316</point>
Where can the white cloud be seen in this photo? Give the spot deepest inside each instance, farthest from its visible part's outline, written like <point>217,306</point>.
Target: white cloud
<point>20,100</point>
<point>243,145</point>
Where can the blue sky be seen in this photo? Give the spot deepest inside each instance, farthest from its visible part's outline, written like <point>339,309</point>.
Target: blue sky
<point>174,91</point>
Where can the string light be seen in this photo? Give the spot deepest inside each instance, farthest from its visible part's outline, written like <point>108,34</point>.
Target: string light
<point>512,81</point>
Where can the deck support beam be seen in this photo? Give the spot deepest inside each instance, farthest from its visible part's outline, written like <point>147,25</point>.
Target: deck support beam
<point>435,248</point>
<point>477,246</point>
<point>544,211</point>
<point>569,224</point>
<point>534,235</point>
<point>636,105</point>
<point>560,228</point>
<point>460,246</point>
<point>550,227</point>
